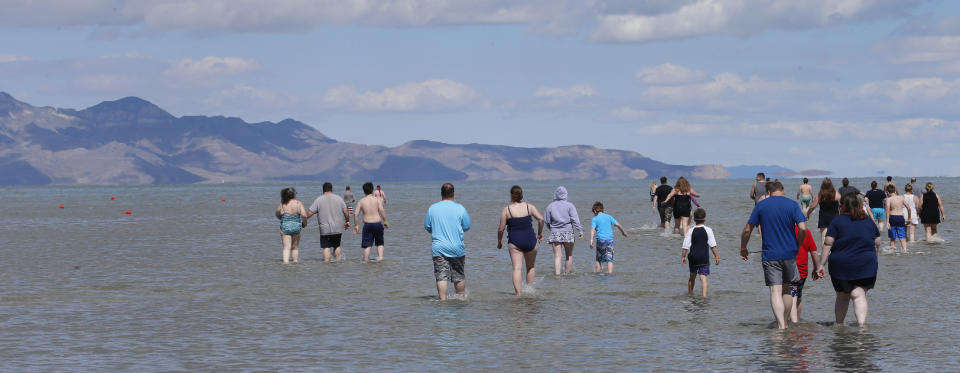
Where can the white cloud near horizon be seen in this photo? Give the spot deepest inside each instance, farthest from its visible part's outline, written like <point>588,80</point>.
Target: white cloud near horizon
<point>939,130</point>
<point>427,96</point>
<point>211,66</point>
<point>669,74</point>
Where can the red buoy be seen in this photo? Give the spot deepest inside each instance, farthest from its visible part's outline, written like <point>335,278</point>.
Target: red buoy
<point>112,198</point>
<point>127,212</point>
<point>61,206</point>
<point>223,200</point>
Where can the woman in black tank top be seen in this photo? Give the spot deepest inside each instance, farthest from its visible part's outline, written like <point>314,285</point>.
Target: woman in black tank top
<point>931,212</point>
<point>829,202</point>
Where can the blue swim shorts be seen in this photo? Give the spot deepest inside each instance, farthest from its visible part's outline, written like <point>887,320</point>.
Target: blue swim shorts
<point>897,233</point>
<point>700,270</point>
<point>604,251</point>
<point>879,214</point>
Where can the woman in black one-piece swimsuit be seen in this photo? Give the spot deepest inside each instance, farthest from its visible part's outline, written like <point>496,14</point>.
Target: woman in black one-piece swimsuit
<point>521,242</point>
<point>829,201</point>
<point>931,212</point>
<point>680,198</point>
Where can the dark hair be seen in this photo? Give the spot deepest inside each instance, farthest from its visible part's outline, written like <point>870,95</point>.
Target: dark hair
<point>775,186</point>
<point>368,188</point>
<point>827,192</point>
<point>846,182</point>
<point>805,180</point>
<point>597,207</point>
<point>929,186</point>
<point>516,193</point>
<point>908,188</point>
<point>850,205</point>
<point>663,179</point>
<point>287,194</point>
<point>891,188</point>
<point>889,178</point>
<point>873,184</point>
<point>446,191</point>
<point>327,187</point>
<point>348,187</point>
<point>761,175</point>
<point>700,215</point>
<point>913,179</point>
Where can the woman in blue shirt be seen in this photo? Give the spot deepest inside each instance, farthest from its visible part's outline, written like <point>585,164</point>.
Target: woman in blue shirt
<point>851,251</point>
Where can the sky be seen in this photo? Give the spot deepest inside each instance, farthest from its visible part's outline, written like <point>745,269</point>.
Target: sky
<point>857,87</point>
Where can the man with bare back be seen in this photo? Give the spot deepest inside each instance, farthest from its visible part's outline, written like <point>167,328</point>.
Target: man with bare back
<point>805,194</point>
<point>896,207</point>
<point>374,218</point>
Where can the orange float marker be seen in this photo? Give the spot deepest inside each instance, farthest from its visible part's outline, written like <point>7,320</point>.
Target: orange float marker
<point>127,212</point>
<point>112,198</point>
<point>223,200</point>
<point>61,206</point>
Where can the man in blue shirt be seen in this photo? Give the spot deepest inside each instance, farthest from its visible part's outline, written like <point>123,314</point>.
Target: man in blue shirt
<point>778,215</point>
<point>446,221</point>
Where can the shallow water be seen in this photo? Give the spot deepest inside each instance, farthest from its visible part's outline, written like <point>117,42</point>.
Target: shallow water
<point>187,282</point>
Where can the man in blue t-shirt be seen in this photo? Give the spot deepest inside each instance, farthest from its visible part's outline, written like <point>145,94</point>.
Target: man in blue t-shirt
<point>446,221</point>
<point>778,215</point>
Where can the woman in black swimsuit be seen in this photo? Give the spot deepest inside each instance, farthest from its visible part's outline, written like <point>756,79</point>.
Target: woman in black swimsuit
<point>931,212</point>
<point>521,241</point>
<point>680,198</point>
<point>829,201</point>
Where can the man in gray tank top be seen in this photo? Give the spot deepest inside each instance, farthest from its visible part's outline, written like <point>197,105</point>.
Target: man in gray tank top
<point>759,189</point>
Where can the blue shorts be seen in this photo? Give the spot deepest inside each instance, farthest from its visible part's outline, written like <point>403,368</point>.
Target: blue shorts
<point>700,270</point>
<point>879,214</point>
<point>372,235</point>
<point>796,289</point>
<point>604,251</point>
<point>897,233</point>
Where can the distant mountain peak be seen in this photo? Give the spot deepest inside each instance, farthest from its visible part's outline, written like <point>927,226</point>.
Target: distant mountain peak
<point>126,109</point>
<point>8,104</point>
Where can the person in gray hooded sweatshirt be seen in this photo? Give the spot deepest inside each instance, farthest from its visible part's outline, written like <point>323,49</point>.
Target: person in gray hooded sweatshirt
<point>561,217</point>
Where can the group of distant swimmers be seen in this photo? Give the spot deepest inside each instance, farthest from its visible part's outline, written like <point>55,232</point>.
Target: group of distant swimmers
<point>847,236</point>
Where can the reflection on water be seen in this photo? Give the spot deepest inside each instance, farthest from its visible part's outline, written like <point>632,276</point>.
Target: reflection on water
<point>853,349</point>
<point>89,288</point>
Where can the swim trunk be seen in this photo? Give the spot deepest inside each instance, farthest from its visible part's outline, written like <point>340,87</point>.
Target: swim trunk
<point>559,237</point>
<point>779,272</point>
<point>700,270</point>
<point>796,289</point>
<point>350,210</point>
<point>847,286</point>
<point>896,233</point>
<point>372,235</point>
<point>604,251</point>
<point>330,241</point>
<point>879,214</point>
<point>805,201</point>
<point>665,213</point>
<point>448,269</point>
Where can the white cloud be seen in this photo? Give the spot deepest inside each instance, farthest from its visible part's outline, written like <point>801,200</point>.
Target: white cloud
<point>926,48</point>
<point>430,95</point>
<point>5,58</point>
<point>668,74</point>
<point>739,17</point>
<point>612,20</point>
<point>912,90</point>
<point>211,66</point>
<point>890,131</point>
<point>630,114</point>
<point>247,95</point>
<point>728,92</point>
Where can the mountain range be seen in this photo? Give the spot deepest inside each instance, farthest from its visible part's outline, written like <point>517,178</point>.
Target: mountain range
<point>132,141</point>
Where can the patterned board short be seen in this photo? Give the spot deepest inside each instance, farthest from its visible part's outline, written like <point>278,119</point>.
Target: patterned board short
<point>604,251</point>
<point>560,237</point>
<point>448,269</point>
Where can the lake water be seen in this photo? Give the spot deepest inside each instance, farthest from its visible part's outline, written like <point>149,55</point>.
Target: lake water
<point>187,282</point>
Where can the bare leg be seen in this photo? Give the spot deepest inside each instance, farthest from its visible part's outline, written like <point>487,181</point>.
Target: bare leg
<point>442,290</point>
<point>690,283</point>
<point>557,258</point>
<point>823,236</point>
<point>676,226</point>
<point>597,267</point>
<point>776,304</point>
<point>684,224</point>
<point>366,254</point>
<point>336,253</point>
<point>927,232</point>
<point>287,242</point>
<point>911,231</point>
<point>787,304</point>
<point>704,285</point>
<point>568,249</point>
<point>840,307</point>
<point>295,248</point>
<point>933,230</point>
<point>530,258</point>
<point>859,296</point>
<point>460,287</point>
<point>799,307</point>
<point>609,267</point>
<point>516,258</point>
<point>893,244</point>
<point>794,310</point>
<point>326,254</point>
<point>380,252</point>
<point>903,243</point>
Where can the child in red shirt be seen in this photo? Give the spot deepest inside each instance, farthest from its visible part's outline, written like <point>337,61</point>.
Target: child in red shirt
<point>796,288</point>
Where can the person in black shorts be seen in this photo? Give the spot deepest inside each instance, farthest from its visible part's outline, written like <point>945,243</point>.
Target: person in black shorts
<point>664,211</point>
